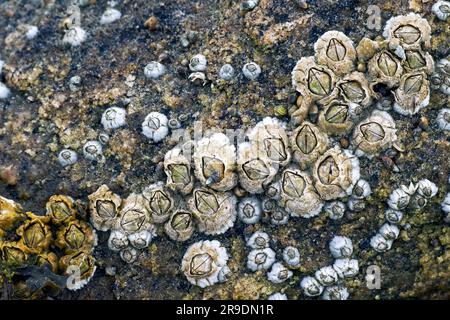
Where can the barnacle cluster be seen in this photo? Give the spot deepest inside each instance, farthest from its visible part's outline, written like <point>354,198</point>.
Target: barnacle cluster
<point>58,240</point>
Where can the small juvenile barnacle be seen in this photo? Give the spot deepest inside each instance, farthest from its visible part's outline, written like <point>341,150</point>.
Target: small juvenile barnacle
<point>298,195</point>
<point>270,140</point>
<point>278,216</point>
<point>113,117</point>
<point>93,151</point>
<point>326,276</point>
<point>154,70</point>
<point>203,262</point>
<point>279,273</point>
<point>399,199</point>
<point>354,88</point>
<point>141,239</point>
<point>308,143</point>
<point>61,209</point>
<point>258,240</point>
<point>67,157</point>
<point>260,259</point>
<point>441,9</point>
<point>335,209</point>
<point>198,63</point>
<point>291,256</point>
<point>385,68</point>
<point>76,236</point>
<point>178,171</point>
<point>226,72</point>
<point>341,247</point>
<point>254,173</point>
<point>411,29</point>
<point>338,292</point>
<point>104,206</point>
<point>215,161</point>
<point>311,79</point>
<point>134,217</point>
<point>361,190</point>
<point>336,117</point>
<point>311,287</point>
<point>74,36</point>
<point>35,234</point>
<point>389,231</point>
<point>251,70</point>
<point>158,201</point>
<point>129,254</point>
<point>155,126</point>
<point>335,173</point>
<point>215,212</point>
<point>336,51</point>
<point>81,261</point>
<point>249,210</point>
<point>110,15</point>
<point>346,268</point>
<point>443,119</point>
<point>180,226</point>
<point>393,216</point>
<point>426,188</point>
<point>117,240</point>
<point>413,94</point>
<point>356,205</point>
<point>441,79</point>
<point>374,134</point>
<point>380,243</point>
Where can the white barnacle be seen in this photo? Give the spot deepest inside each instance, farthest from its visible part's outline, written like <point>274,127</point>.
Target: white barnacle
<point>380,243</point>
<point>67,157</point>
<point>279,273</point>
<point>356,205</point>
<point>260,259</point>
<point>361,189</point>
<point>154,70</point>
<point>311,287</point>
<point>335,209</point>
<point>74,36</point>
<point>258,240</point>
<point>249,210</point>
<point>341,247</point>
<point>251,70</point>
<point>326,276</point>
<point>32,32</point>
<point>4,91</point>
<point>399,199</point>
<point>393,216</point>
<point>426,188</point>
<point>224,274</point>
<point>198,63</point>
<point>443,119</point>
<point>129,254</point>
<point>335,293</point>
<point>93,150</point>
<point>346,268</point>
<point>117,241</point>
<point>140,239</point>
<point>291,256</point>
<point>277,296</point>
<point>389,231</point>
<point>110,15</point>
<point>113,118</point>
<point>155,126</point>
<point>445,205</point>
<point>226,72</point>
<point>441,9</point>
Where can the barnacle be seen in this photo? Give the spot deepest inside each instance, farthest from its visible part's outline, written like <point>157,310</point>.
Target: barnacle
<point>178,171</point>
<point>336,117</point>
<point>180,226</point>
<point>412,30</point>
<point>76,236</point>
<point>81,262</point>
<point>134,216</point>
<point>215,212</point>
<point>10,215</point>
<point>35,234</point>
<point>413,94</point>
<point>104,206</point>
<point>158,201</point>
<point>308,143</point>
<point>385,68</point>
<point>203,262</point>
<point>61,209</point>
<point>12,253</point>
<point>48,258</point>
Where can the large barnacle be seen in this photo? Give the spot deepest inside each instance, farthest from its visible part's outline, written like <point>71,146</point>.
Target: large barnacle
<point>104,206</point>
<point>12,253</point>
<point>10,215</point>
<point>35,234</point>
<point>178,171</point>
<point>336,117</point>
<point>308,143</point>
<point>413,94</point>
<point>134,216</point>
<point>180,226</point>
<point>411,30</point>
<point>385,68</point>
<point>158,201</point>
<point>61,209</point>
<point>203,262</point>
<point>336,51</point>
<point>76,236</point>
<point>354,88</point>
<point>215,212</point>
<point>80,268</point>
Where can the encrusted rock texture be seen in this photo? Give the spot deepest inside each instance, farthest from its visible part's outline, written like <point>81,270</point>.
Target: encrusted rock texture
<point>45,114</point>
